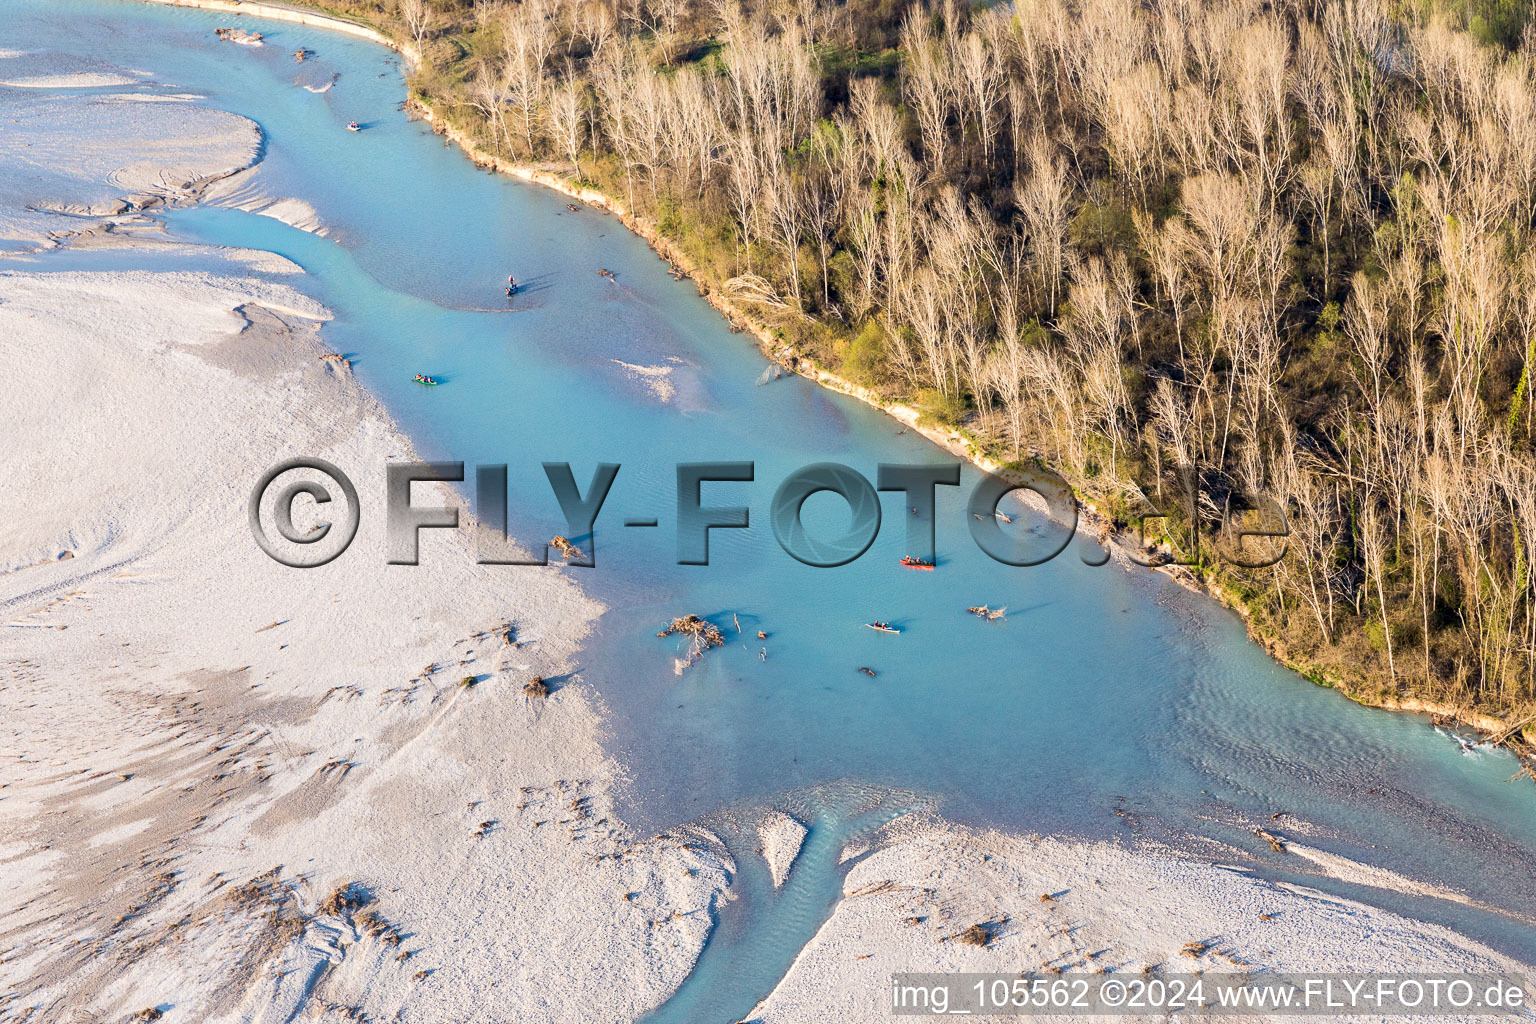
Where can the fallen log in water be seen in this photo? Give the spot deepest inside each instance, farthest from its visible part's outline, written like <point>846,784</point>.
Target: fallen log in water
<point>705,635</point>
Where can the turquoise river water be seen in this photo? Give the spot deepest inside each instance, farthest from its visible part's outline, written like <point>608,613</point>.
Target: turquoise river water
<point>1104,690</point>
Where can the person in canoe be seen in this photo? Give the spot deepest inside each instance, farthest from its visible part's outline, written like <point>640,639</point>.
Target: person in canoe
<point>353,126</point>
<point>884,627</point>
<point>423,379</point>
<point>916,563</point>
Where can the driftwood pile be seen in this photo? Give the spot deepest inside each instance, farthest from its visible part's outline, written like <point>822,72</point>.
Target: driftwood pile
<point>566,548</point>
<point>705,635</point>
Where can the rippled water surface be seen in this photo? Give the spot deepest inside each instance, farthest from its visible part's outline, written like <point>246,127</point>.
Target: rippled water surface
<point>1103,690</point>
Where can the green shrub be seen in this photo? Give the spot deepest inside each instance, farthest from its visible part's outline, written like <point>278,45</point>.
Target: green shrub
<point>865,363</point>
<point>937,407</point>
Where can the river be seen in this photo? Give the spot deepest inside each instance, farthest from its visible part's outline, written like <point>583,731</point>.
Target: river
<point>1108,704</point>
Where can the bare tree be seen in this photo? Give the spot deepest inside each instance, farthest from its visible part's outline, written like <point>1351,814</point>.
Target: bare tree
<point>418,18</point>
<point>488,93</point>
<point>926,81</point>
<point>1042,200</point>
<point>567,119</point>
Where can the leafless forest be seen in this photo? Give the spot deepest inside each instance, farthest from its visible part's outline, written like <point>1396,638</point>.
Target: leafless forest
<point>1290,243</point>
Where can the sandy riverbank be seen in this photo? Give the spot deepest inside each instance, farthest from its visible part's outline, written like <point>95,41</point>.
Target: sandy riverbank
<point>293,15</point>
<point>204,746</point>
<point>69,159</point>
<point>1056,908</point>
<point>237,791</point>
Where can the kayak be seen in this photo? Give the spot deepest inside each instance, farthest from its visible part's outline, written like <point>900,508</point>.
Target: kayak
<point>882,627</point>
